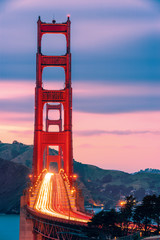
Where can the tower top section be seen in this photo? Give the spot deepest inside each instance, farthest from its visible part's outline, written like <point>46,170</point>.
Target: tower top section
<point>53,28</point>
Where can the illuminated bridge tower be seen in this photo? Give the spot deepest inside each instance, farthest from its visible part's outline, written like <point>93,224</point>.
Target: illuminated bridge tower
<point>50,207</point>
<point>55,98</point>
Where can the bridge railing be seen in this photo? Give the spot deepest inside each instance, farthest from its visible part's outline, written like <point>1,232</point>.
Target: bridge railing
<point>69,190</point>
<point>33,190</point>
<point>72,195</point>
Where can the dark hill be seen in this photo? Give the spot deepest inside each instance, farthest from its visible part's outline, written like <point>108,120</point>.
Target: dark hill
<point>13,179</point>
<point>98,185</point>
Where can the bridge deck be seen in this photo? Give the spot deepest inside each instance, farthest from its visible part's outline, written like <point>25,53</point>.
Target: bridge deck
<point>55,200</point>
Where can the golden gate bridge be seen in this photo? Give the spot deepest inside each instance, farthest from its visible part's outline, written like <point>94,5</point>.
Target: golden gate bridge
<point>50,206</point>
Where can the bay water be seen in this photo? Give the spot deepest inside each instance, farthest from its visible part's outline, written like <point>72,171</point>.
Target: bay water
<point>9,227</point>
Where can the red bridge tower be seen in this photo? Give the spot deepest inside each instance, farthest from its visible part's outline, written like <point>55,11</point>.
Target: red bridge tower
<point>54,100</point>
<point>64,220</point>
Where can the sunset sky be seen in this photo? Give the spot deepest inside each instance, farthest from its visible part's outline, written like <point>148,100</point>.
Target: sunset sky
<point>115,76</point>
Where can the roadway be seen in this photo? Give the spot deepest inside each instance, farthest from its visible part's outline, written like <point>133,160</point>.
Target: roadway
<point>54,199</point>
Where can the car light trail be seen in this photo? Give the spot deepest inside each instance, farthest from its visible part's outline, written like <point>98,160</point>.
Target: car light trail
<point>51,197</point>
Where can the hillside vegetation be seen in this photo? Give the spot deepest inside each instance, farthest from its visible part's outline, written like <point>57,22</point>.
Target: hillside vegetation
<point>98,185</point>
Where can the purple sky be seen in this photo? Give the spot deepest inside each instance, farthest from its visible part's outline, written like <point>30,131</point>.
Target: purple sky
<point>115,75</point>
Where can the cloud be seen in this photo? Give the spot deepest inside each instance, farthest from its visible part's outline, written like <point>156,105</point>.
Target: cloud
<point>111,33</point>
<point>23,89</point>
<point>127,4</point>
<point>15,117</point>
<point>108,34</point>
<point>86,145</point>
<point>24,105</point>
<point>117,104</point>
<point>22,132</point>
<point>120,138</point>
<point>122,122</point>
<point>12,89</point>
<point>17,39</point>
<point>84,89</point>
<point>97,105</point>
<point>16,128</point>
<point>87,97</point>
<point>114,52</point>
<point>115,132</point>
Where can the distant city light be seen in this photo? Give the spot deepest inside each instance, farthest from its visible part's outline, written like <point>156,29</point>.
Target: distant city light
<point>122,203</point>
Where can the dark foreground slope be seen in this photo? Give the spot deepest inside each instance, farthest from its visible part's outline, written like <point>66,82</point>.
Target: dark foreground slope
<point>98,185</point>
<point>13,179</point>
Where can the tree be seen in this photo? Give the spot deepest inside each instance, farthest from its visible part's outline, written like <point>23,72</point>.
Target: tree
<point>145,212</point>
<point>138,216</point>
<point>106,222</point>
<point>126,212</point>
<point>156,211</point>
